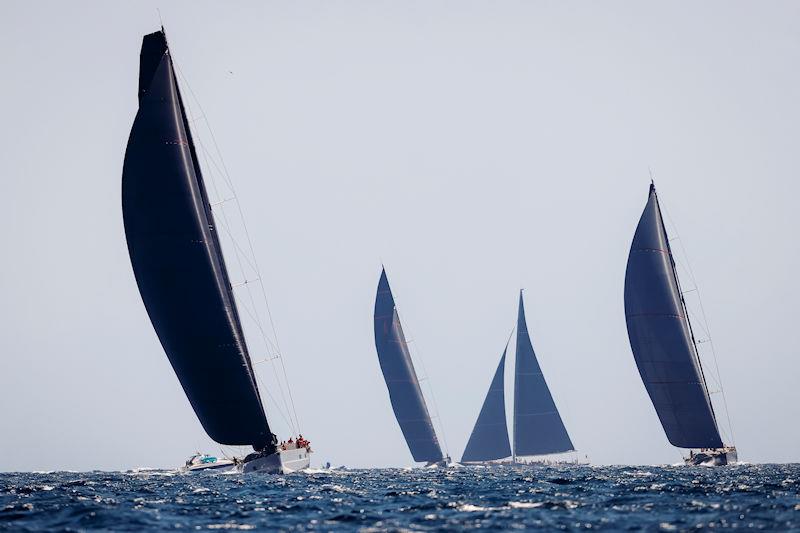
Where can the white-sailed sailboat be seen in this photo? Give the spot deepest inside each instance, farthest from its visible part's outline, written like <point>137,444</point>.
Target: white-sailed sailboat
<point>664,346</point>
<point>179,266</point>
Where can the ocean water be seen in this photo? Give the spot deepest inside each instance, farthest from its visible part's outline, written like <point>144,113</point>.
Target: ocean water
<point>563,497</point>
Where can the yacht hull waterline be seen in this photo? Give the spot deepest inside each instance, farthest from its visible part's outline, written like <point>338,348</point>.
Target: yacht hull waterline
<point>280,462</point>
<point>712,457</point>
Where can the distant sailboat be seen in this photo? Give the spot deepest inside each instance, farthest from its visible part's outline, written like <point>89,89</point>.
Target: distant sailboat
<point>538,428</point>
<point>180,269</point>
<point>664,346</point>
<point>405,393</point>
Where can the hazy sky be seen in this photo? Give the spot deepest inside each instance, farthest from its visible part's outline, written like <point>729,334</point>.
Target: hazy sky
<point>474,148</point>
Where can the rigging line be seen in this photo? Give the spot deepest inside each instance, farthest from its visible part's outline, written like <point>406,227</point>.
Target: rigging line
<point>695,351</point>
<point>421,359</point>
<point>224,200</point>
<point>255,318</point>
<point>238,250</point>
<point>288,420</point>
<point>231,199</point>
<point>237,254</point>
<point>705,328</point>
<point>226,175</point>
<point>266,303</point>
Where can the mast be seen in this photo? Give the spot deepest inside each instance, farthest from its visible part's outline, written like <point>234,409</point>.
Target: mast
<point>223,271</point>
<point>538,427</point>
<point>683,305</point>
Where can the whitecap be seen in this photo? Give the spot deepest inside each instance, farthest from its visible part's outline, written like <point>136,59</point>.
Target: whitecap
<point>469,508</point>
<point>525,505</point>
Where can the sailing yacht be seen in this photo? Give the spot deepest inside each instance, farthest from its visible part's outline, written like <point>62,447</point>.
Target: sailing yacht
<point>180,270</point>
<point>664,346</point>
<point>405,393</point>
<point>538,428</point>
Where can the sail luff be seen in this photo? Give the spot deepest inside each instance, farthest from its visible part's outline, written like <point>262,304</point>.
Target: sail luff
<point>677,279</point>
<point>489,438</point>
<point>661,340</point>
<point>217,245</point>
<point>538,427</point>
<point>178,263</point>
<point>405,394</point>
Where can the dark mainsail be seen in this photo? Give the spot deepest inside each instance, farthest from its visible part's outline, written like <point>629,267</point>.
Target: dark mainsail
<point>661,337</point>
<point>489,438</point>
<point>401,379</point>
<point>178,263</point>
<point>538,429</point>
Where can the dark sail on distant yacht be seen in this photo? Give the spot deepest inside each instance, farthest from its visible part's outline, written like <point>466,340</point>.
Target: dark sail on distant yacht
<point>489,438</point>
<point>538,428</point>
<point>178,262</point>
<point>662,340</point>
<point>405,393</point>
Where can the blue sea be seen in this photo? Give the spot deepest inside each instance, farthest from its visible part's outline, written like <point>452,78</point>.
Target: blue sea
<point>552,497</point>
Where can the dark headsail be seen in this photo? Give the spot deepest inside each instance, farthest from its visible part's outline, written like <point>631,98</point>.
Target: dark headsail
<point>401,379</point>
<point>538,429</point>
<point>661,338</point>
<point>489,438</point>
<point>178,263</point>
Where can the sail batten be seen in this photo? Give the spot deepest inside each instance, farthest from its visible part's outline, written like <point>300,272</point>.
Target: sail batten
<point>405,393</point>
<point>532,398</point>
<point>178,263</point>
<point>661,337</point>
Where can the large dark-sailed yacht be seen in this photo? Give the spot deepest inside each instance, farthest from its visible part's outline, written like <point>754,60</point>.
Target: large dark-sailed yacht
<point>405,393</point>
<point>538,428</point>
<point>664,346</point>
<point>180,270</point>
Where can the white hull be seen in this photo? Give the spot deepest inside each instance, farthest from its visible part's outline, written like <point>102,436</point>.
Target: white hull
<point>280,462</point>
<point>206,463</point>
<point>715,457</point>
<point>220,466</point>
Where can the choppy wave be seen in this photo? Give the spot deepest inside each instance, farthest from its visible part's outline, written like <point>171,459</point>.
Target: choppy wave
<point>553,497</point>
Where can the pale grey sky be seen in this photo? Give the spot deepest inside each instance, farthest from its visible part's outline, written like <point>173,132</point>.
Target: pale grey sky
<point>473,147</point>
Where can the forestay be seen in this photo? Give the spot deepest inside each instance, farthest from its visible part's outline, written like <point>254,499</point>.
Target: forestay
<point>660,337</point>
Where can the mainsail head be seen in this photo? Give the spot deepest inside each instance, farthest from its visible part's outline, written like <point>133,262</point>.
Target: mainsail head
<point>660,337</point>
<point>405,393</point>
<point>538,428</point>
<point>178,263</point>
<point>489,438</point>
